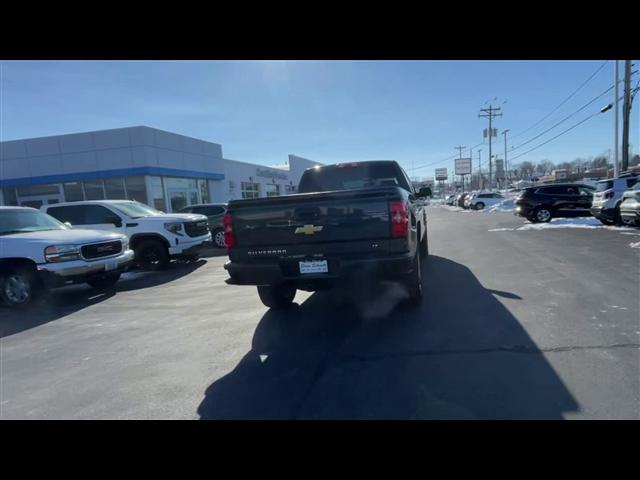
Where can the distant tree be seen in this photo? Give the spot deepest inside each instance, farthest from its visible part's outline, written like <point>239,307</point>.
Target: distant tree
<point>634,161</point>
<point>599,162</point>
<point>544,167</point>
<point>564,166</point>
<point>526,170</point>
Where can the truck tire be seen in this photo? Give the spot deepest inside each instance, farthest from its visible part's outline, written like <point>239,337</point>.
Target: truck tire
<point>18,288</point>
<point>152,255</point>
<point>479,206</point>
<point>276,296</point>
<point>424,245</point>
<point>106,282</point>
<point>414,282</point>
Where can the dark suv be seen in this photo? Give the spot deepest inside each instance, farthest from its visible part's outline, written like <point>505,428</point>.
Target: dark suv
<point>541,204</point>
<point>215,213</point>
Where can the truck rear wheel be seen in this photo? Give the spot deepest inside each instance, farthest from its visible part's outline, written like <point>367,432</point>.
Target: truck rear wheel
<point>414,282</point>
<point>276,296</point>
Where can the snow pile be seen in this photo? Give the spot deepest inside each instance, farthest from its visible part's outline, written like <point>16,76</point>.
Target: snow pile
<point>635,245</point>
<point>580,222</point>
<point>506,205</point>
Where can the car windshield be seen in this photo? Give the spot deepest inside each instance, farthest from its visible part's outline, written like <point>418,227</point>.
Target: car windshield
<point>25,221</point>
<point>136,209</point>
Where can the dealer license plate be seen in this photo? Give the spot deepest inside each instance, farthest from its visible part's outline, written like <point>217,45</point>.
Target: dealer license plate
<point>314,266</point>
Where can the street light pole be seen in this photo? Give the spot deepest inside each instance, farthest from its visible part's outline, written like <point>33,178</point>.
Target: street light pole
<point>506,165</point>
<point>615,122</point>
<point>480,182</point>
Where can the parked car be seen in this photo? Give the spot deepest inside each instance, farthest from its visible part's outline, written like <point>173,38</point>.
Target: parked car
<point>154,236</point>
<point>347,219</point>
<point>450,200</point>
<point>461,199</point>
<point>608,197</point>
<point>215,214</point>
<point>480,200</point>
<point>38,252</point>
<point>542,203</point>
<point>630,206</point>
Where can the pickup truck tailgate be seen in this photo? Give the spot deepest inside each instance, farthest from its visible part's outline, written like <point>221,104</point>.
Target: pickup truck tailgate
<point>344,216</point>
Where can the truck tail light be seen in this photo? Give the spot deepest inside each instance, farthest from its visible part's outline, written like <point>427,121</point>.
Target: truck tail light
<point>399,218</point>
<point>229,235</point>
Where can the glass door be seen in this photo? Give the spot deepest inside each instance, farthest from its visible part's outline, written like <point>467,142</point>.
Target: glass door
<point>178,199</point>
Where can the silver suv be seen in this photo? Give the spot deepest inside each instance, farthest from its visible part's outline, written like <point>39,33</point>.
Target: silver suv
<point>608,197</point>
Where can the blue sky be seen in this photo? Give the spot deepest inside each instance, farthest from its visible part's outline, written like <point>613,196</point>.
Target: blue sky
<point>414,112</point>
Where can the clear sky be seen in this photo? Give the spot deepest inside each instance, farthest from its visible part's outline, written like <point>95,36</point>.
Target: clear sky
<point>415,112</point>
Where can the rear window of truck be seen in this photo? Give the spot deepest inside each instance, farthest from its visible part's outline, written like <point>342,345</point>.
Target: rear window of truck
<point>351,176</point>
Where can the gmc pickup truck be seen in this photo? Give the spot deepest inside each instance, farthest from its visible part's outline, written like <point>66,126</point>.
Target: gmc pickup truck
<point>347,219</point>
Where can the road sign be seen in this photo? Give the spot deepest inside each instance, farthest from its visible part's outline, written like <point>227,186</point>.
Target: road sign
<point>463,166</point>
<point>499,168</point>
<point>441,174</point>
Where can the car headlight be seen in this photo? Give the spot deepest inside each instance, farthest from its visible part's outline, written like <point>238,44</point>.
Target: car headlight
<point>174,228</point>
<point>125,244</point>
<point>62,253</point>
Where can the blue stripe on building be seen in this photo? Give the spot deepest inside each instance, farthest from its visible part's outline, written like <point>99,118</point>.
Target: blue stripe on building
<point>123,172</point>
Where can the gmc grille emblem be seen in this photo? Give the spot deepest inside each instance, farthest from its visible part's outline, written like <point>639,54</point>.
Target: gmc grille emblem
<point>105,248</point>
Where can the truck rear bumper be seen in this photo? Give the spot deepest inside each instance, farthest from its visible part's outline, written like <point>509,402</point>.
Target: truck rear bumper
<point>285,271</point>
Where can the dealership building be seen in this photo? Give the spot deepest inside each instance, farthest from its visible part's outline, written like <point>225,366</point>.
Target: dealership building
<point>162,169</point>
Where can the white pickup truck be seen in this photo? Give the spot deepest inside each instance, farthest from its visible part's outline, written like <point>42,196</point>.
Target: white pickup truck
<point>154,236</point>
<point>38,252</point>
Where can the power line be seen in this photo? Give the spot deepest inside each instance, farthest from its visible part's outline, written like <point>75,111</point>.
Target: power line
<point>559,135</point>
<point>563,102</point>
<point>444,159</point>
<point>564,119</point>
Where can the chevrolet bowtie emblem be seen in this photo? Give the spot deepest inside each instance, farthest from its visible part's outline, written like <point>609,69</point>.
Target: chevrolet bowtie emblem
<point>308,229</point>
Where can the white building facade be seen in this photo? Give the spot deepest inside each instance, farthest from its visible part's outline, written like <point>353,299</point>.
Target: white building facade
<point>162,169</point>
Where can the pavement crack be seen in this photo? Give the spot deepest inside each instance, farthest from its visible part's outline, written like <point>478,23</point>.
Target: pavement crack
<point>519,349</point>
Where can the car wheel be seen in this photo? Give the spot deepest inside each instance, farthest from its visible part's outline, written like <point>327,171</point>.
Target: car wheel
<point>542,215</point>
<point>18,288</point>
<point>606,221</point>
<point>276,296</point>
<point>218,238</point>
<point>105,282</point>
<point>414,282</point>
<point>479,206</point>
<point>152,255</point>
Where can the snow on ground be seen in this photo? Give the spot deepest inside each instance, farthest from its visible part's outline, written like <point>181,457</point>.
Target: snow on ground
<point>635,245</point>
<point>506,205</point>
<point>579,222</point>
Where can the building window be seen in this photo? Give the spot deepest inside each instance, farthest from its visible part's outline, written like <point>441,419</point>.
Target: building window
<point>250,189</point>
<point>10,198</point>
<point>37,190</point>
<point>114,188</point>
<point>136,189</point>
<point>157,194</point>
<point>272,190</point>
<point>73,192</point>
<point>289,189</point>
<point>204,190</point>
<point>93,189</point>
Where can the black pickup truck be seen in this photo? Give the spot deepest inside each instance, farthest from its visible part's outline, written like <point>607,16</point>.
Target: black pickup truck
<point>346,220</point>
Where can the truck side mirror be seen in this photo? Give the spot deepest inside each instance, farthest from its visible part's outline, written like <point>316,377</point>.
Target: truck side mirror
<point>68,224</point>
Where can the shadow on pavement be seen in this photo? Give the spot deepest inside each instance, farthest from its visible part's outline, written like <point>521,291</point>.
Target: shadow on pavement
<point>459,355</point>
<point>64,301</point>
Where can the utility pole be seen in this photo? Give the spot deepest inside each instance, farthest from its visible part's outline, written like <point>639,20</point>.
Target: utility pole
<point>460,148</point>
<point>480,185</point>
<point>506,166</point>
<point>490,114</point>
<point>626,111</point>
<point>615,127</point>
<point>471,172</point>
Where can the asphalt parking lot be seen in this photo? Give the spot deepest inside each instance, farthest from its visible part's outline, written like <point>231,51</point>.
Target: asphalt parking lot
<point>514,324</point>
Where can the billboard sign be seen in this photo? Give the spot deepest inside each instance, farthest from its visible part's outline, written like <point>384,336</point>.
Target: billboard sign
<point>463,166</point>
<point>441,174</point>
